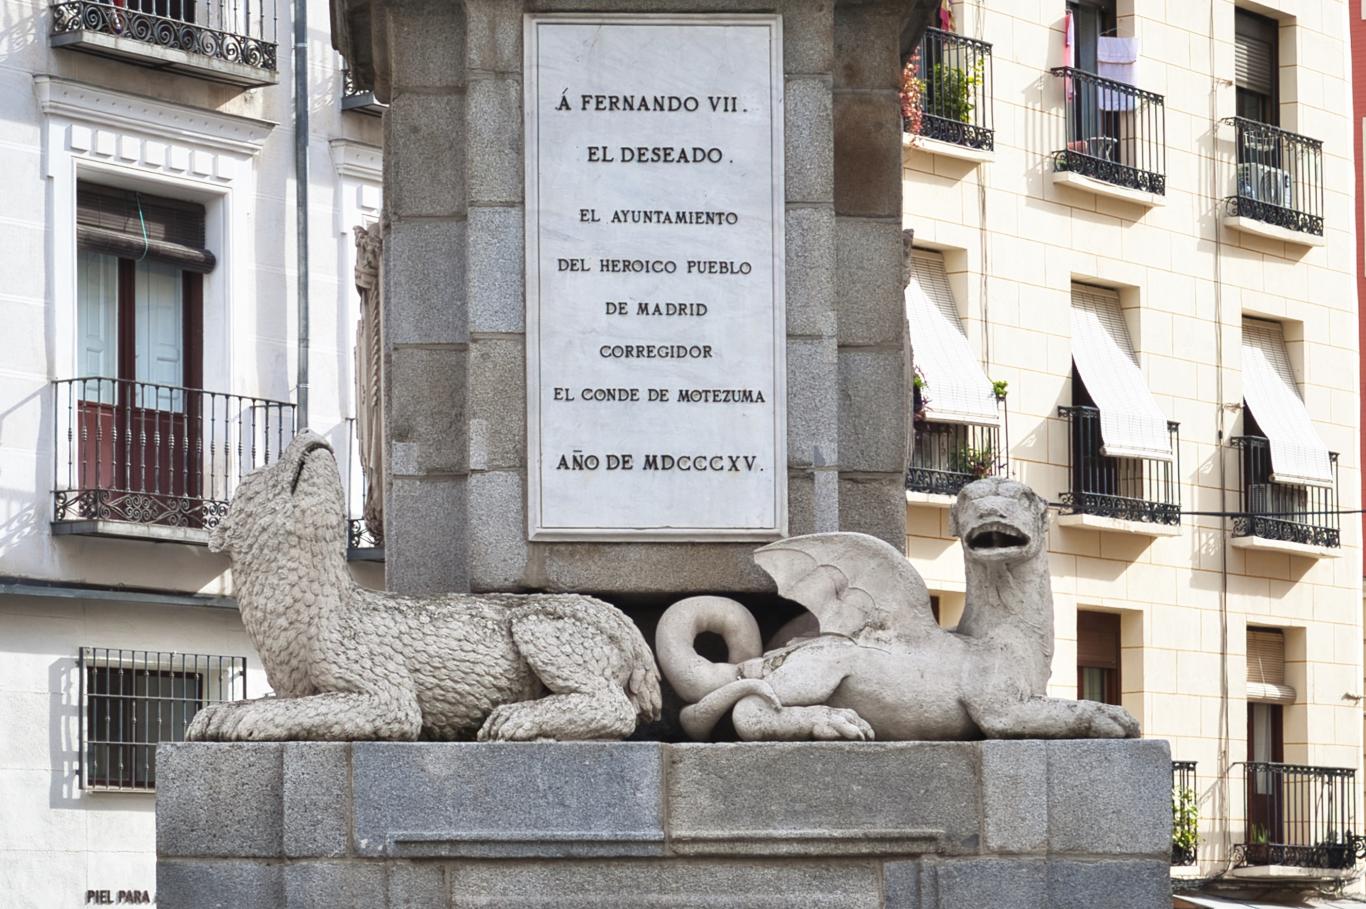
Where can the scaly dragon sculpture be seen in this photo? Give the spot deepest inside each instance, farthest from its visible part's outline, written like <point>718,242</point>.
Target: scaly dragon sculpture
<point>881,666</point>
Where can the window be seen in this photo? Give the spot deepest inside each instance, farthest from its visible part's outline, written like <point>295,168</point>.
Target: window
<point>133,699</point>
<point>1122,447</point>
<point>1098,657</point>
<point>1255,65</point>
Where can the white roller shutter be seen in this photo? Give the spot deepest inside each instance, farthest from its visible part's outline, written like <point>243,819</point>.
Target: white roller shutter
<point>1298,455</point>
<point>1131,425</point>
<point>957,388</point>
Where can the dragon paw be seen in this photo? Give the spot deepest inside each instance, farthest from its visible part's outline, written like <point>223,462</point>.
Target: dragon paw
<point>1109,722</point>
<point>838,723</point>
<point>512,723</point>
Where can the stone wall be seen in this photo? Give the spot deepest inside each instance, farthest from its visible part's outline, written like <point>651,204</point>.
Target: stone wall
<point>908,825</point>
<point>455,298</point>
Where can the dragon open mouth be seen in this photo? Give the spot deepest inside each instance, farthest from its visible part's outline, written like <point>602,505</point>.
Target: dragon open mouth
<point>997,537</point>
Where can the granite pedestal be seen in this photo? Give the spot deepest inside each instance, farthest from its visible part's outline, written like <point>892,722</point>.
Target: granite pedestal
<point>908,825</point>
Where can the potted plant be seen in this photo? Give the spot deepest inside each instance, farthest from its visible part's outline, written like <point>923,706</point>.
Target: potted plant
<point>1185,821</point>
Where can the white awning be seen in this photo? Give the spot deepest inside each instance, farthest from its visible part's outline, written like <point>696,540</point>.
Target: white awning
<point>1298,455</point>
<point>957,389</point>
<point>1189,901</point>
<point>1131,425</point>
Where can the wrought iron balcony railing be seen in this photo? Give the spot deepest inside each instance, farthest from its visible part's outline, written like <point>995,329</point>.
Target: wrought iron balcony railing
<point>1278,177</point>
<point>361,100</point>
<point>948,456</point>
<point>229,31</point>
<point>1283,511</point>
<point>363,542</point>
<point>1185,816</point>
<point>157,455</point>
<point>951,98</point>
<point>1146,490</point>
<point>1113,132</point>
<point>1300,816</point>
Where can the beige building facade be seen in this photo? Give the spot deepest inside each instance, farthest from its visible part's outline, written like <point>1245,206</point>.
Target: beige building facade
<point>1154,251</point>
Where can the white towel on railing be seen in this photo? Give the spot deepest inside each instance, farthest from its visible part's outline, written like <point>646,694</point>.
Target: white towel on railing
<point>1117,59</point>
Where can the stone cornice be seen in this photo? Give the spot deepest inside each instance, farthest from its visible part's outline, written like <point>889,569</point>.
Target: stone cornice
<point>357,159</point>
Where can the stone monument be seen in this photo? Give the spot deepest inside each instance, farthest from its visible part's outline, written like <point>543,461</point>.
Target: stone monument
<point>642,315</point>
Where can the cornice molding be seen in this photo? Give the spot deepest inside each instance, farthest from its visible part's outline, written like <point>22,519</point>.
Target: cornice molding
<point>106,107</point>
<point>357,159</point>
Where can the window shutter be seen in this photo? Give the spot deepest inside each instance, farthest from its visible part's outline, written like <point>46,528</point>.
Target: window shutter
<point>134,225</point>
<point>1266,667</point>
<point>1098,640</point>
<point>1254,64</point>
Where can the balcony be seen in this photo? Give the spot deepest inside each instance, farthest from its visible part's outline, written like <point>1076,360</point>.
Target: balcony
<point>1141,495</point>
<point>1278,183</point>
<point>1302,518</point>
<point>1115,138</point>
<point>1185,814</point>
<point>948,456</point>
<point>946,96</point>
<point>219,40</point>
<point>364,541</point>
<point>360,100</point>
<point>1298,817</point>
<point>160,462</point>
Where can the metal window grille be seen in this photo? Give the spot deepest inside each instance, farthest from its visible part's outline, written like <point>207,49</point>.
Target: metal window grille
<point>235,31</point>
<point>1184,850</point>
<point>131,700</point>
<point>1129,489</point>
<point>954,75</point>
<point>1283,511</point>
<point>1114,132</point>
<point>1299,815</point>
<point>1278,177</point>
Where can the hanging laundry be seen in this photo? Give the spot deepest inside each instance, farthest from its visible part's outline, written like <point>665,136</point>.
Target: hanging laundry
<point>1069,51</point>
<point>1116,59</point>
<point>946,15</point>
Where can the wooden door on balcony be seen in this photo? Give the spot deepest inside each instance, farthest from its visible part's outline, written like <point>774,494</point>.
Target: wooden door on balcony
<point>1265,805</point>
<point>139,323</point>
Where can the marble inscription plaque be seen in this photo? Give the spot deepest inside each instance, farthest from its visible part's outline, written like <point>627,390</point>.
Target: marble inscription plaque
<point>654,255</point>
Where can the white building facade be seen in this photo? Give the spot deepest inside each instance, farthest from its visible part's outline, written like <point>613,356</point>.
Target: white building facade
<point>1134,226</point>
<point>151,357</point>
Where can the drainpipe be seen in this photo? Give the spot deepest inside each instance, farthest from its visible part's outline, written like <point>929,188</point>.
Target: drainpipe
<point>300,8</point>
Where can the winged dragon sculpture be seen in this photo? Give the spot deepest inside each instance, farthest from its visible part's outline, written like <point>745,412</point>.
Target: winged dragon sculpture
<point>879,665</point>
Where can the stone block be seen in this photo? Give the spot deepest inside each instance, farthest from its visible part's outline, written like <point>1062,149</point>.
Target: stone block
<point>425,532</point>
<point>808,43</point>
<point>326,885</point>
<point>672,569</point>
<point>497,403</point>
<point>424,275</point>
<point>812,403</point>
<point>493,140</point>
<point>219,884</point>
<point>824,798</point>
<point>874,397</point>
<point>808,165</point>
<point>677,884</point>
<point>1110,796</point>
<point>498,552</point>
<point>868,270</point>
<point>1109,884</point>
<point>1014,796</point>
<point>417,885</point>
<point>875,505</point>
<point>497,270</point>
<point>432,36</point>
<point>810,277</point>
<point>868,47</point>
<point>901,885</point>
<point>979,882</point>
<point>867,156</point>
<point>494,30</point>
<point>425,411</point>
<point>553,799</point>
<point>801,505</point>
<point>317,779</point>
<point>221,800</point>
<point>424,165</point>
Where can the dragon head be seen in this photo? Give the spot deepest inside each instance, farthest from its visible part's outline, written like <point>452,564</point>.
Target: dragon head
<point>999,520</point>
<point>295,499</point>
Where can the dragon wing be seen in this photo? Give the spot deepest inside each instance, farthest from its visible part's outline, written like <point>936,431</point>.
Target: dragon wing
<point>851,582</point>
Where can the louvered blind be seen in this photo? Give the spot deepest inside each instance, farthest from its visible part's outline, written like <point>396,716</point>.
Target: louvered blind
<point>1298,455</point>
<point>958,390</point>
<point>1098,640</point>
<point>1253,49</point>
<point>934,280</point>
<point>1266,667</point>
<point>134,225</point>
